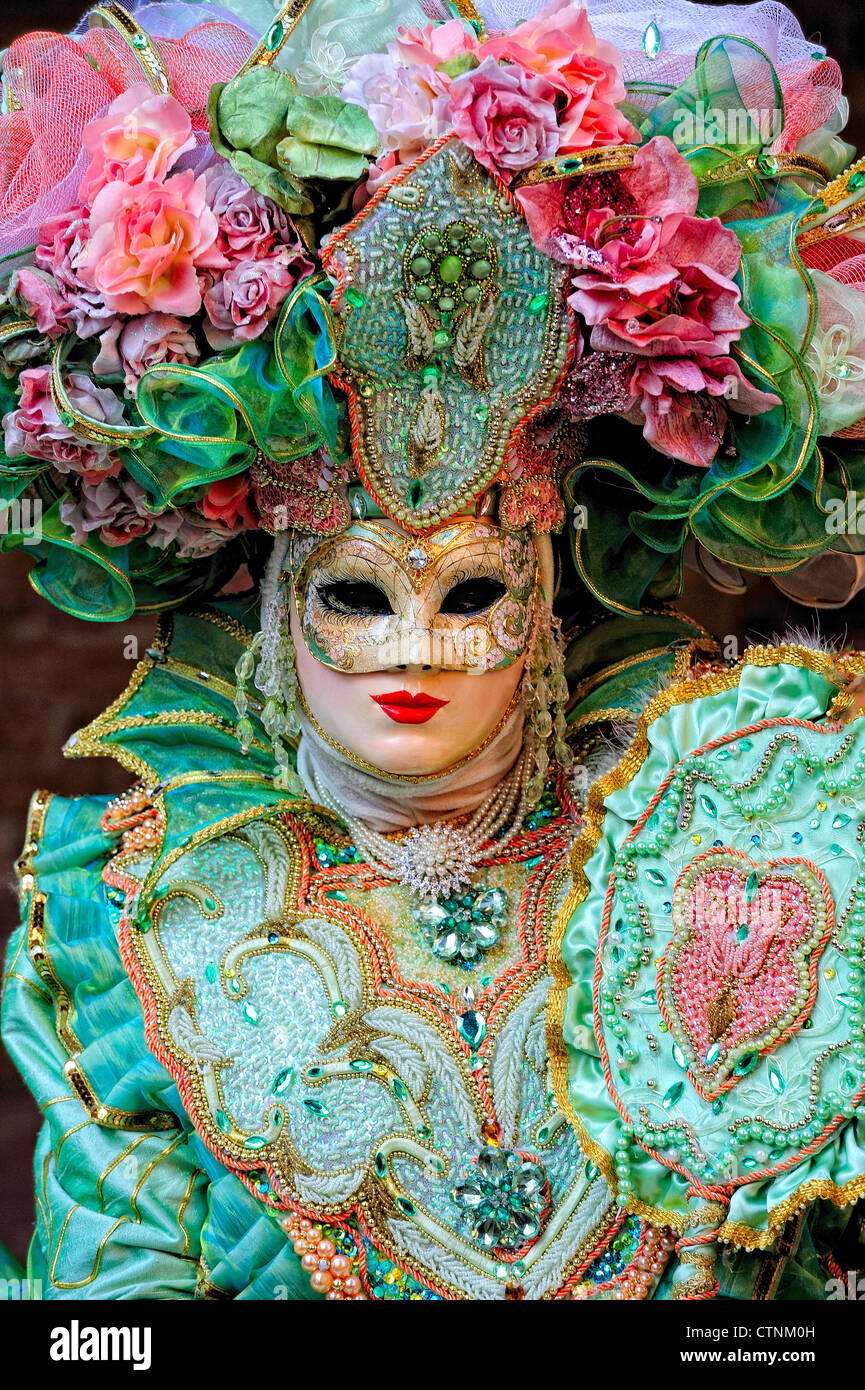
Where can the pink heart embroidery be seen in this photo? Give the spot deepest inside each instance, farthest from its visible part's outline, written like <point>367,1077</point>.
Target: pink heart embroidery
<point>741,971</point>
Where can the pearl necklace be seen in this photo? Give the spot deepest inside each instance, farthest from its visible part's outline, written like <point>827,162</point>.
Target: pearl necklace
<point>437,860</point>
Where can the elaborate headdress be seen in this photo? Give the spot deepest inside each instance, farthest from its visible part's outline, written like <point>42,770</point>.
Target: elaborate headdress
<point>601,272</point>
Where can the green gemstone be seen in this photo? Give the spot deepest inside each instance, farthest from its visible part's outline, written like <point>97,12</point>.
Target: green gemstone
<point>209,904</point>
<point>450,269</point>
<point>652,40</point>
<point>856,180</point>
<point>255,1141</point>
<point>742,933</point>
<point>223,1121</point>
<point>708,806</point>
<point>139,41</point>
<point>338,1008</point>
<point>283,1081</point>
<point>538,303</point>
<point>679,1057</point>
<point>361,1064</point>
<point>415,495</point>
<point>713,1054</point>
<point>399,1089</point>
<point>67,419</point>
<point>752,883</point>
<point>405,1205</point>
<point>654,876</point>
<point>274,36</point>
<point>442,339</point>
<point>422,292</point>
<point>481,269</point>
<point>472,1026</point>
<point>572,165</point>
<point>211,973</point>
<point>446,304</point>
<point>316,1107</point>
<point>840,821</point>
<point>471,294</point>
<point>355,296</point>
<point>431,242</point>
<point>249,1011</point>
<point>380,1164</point>
<point>776,1080</point>
<point>421,266</point>
<point>591,1171</point>
<point>674,1095</point>
<point>746,1063</point>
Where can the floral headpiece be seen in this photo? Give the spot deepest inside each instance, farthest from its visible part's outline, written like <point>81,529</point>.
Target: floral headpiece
<point>602,269</point>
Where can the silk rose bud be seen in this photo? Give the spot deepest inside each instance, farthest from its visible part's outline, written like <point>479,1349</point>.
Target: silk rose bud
<point>35,428</point>
<point>248,297</point>
<point>148,242</point>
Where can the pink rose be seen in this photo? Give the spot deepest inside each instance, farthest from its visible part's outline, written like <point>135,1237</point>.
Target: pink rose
<point>558,43</point>
<point>248,297</point>
<point>61,241</point>
<point>148,243</point>
<point>133,348</point>
<point>506,117</point>
<point>193,534</point>
<point>228,500</point>
<point>251,226</point>
<point>434,43</point>
<point>35,428</point>
<point>680,404</point>
<point>118,511</point>
<point>402,102</point>
<point>43,300</point>
<point>138,140</point>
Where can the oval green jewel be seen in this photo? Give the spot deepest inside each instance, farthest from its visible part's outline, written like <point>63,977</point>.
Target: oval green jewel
<point>446,304</point>
<point>249,1011</point>
<point>355,296</point>
<point>471,294</point>
<point>405,1205</point>
<point>234,986</point>
<point>422,292</point>
<point>752,883</point>
<point>745,743</point>
<point>591,1171</point>
<point>746,1063</point>
<point>139,41</point>
<point>840,821</point>
<point>472,1026</point>
<point>708,806</point>
<point>431,242</point>
<point>399,1089</point>
<point>314,1071</point>
<point>421,266</point>
<point>283,1081</point>
<point>211,973</point>
<point>649,998</point>
<point>538,303</point>
<point>679,1057</point>
<point>209,904</point>
<point>415,495</point>
<point>652,40</point>
<point>481,269</point>
<point>337,895</point>
<point>442,339</point>
<point>654,876</point>
<point>776,1080</point>
<point>274,36</point>
<point>742,933</point>
<point>856,180</point>
<point>571,165</point>
<point>674,1095</point>
<point>543,1134</point>
<point>223,1121</point>
<point>379,1163</point>
<point>450,270</point>
<point>255,1141</point>
<point>713,1053</point>
<point>718,1105</point>
<point>316,1107</point>
<point>361,1064</point>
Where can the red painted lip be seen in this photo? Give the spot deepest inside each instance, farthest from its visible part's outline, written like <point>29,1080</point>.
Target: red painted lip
<point>405,708</point>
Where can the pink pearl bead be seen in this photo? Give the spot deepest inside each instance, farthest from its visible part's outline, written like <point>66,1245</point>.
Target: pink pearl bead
<point>340,1266</point>
<point>353,1286</point>
<point>322,1281</point>
<point>326,1248</point>
<point>300,1247</point>
<point>333,1296</point>
<point>305,1225</point>
<point>309,1262</point>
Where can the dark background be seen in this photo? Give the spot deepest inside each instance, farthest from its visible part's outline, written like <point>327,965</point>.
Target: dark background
<point>56,672</point>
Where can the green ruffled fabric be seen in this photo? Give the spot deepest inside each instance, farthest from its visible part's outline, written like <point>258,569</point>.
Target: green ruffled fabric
<point>782,691</point>
<point>764,507</point>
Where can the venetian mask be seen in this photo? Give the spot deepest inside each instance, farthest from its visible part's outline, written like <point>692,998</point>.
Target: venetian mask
<point>376,598</point>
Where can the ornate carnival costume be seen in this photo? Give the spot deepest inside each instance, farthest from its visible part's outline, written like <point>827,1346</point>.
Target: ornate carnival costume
<point>558,1015</point>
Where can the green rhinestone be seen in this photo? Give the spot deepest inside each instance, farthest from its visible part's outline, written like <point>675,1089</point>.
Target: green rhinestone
<point>139,41</point>
<point>746,1063</point>
<point>355,296</point>
<point>856,180</point>
<point>674,1095</point>
<point>415,495</point>
<point>316,1107</point>
<point>274,36</point>
<point>399,1089</point>
<point>421,266</point>
<point>482,413</point>
<point>422,292</point>
<point>446,304</point>
<point>223,1121</point>
<point>255,1141</point>
<point>471,294</point>
<point>538,303</point>
<point>431,242</point>
<point>283,1081</point>
<point>211,973</point>
<point>571,166</point>
<point>752,883</point>
<point>481,269</point>
<point>442,339</point>
<point>361,1064</point>
<point>477,245</point>
<point>67,419</point>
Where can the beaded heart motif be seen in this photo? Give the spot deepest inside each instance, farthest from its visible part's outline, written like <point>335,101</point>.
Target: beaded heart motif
<point>740,974</point>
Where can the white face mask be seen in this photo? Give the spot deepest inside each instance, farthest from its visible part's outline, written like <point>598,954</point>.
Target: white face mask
<point>375,598</point>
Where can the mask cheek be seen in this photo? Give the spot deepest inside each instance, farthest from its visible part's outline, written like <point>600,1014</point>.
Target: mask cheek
<point>490,643</point>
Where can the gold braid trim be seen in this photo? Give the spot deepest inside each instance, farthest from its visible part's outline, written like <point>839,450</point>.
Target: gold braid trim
<point>683,692</point>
